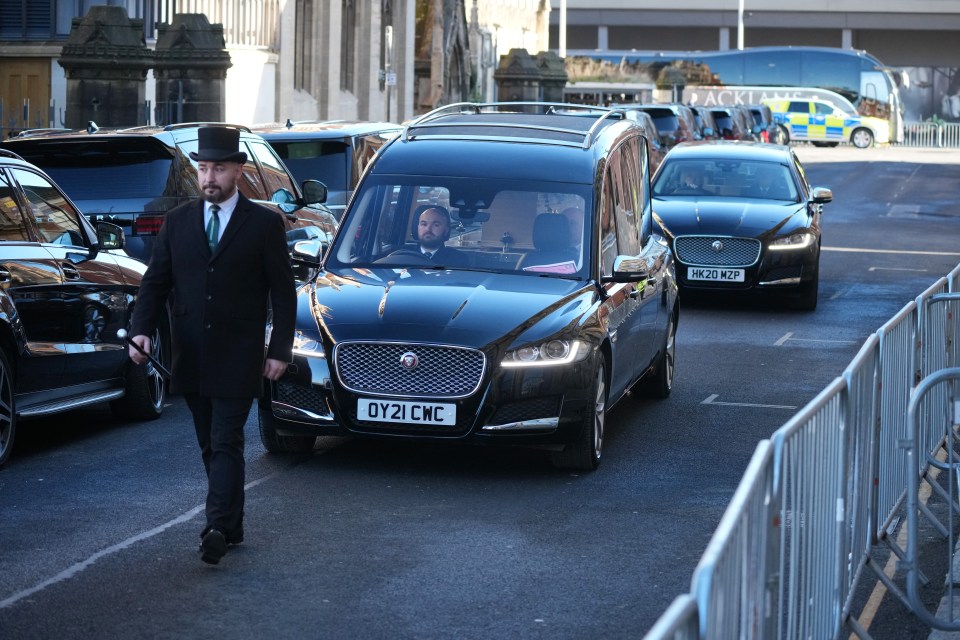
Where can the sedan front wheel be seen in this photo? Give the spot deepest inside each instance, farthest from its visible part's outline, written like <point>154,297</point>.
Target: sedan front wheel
<point>584,452</point>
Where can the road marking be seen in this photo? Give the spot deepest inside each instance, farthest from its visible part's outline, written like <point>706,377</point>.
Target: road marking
<point>894,269</point>
<point>840,293</point>
<point>891,251</point>
<point>712,399</point>
<point>789,336</point>
<point>79,567</point>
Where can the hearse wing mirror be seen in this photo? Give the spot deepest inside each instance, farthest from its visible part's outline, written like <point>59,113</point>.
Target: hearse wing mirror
<point>627,269</point>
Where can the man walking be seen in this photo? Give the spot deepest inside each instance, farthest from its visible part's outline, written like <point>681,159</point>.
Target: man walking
<point>222,263</point>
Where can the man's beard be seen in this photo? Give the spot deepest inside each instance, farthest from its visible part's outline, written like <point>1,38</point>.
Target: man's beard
<point>431,243</point>
<point>216,196</point>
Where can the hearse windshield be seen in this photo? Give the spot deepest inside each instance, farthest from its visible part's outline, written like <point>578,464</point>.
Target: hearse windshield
<point>520,226</point>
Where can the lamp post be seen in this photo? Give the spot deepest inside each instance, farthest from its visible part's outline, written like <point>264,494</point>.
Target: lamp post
<point>740,26</point>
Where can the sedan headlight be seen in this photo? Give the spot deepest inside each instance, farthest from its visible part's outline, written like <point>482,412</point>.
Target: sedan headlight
<point>793,241</point>
<point>304,345</point>
<point>549,353</point>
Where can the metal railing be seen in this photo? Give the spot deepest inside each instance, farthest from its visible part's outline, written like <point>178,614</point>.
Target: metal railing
<point>931,134</point>
<point>831,485</point>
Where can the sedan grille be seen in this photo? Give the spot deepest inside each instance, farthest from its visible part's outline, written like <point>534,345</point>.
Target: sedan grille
<point>717,251</point>
<point>421,370</point>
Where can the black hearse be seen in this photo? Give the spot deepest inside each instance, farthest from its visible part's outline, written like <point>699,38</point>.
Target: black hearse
<point>552,298</point>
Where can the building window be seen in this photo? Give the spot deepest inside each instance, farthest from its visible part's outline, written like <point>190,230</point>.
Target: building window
<point>26,19</point>
<point>347,45</point>
<point>303,47</point>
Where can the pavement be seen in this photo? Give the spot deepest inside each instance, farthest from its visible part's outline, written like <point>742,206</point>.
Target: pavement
<point>949,608</point>
<point>849,153</point>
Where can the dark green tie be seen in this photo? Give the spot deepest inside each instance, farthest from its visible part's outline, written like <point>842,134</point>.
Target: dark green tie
<point>213,227</point>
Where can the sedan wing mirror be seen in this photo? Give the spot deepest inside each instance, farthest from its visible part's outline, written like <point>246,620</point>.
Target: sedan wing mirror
<point>821,195</point>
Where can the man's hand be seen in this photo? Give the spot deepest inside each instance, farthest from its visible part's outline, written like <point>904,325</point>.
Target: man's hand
<point>273,369</point>
<point>144,343</point>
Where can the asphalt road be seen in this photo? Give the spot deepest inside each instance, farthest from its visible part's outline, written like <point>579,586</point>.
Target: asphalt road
<point>99,519</point>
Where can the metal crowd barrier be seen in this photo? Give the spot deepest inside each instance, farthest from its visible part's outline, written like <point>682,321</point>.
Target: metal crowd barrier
<point>831,484</point>
<point>931,134</point>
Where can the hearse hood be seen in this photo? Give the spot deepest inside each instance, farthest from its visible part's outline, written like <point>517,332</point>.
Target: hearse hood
<point>469,308</point>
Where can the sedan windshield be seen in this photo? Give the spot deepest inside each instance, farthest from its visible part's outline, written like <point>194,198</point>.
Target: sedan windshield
<point>726,179</point>
<point>455,223</point>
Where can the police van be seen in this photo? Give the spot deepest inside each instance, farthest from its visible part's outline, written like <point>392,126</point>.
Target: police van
<point>825,124</point>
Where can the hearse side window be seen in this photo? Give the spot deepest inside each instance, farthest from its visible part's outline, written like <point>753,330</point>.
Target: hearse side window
<point>628,193</point>
<point>608,230</point>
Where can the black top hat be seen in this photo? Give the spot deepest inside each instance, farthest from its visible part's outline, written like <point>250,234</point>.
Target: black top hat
<point>218,144</point>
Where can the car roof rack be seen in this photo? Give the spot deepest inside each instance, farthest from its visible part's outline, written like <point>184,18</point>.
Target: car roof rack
<point>187,125</point>
<point>292,123</point>
<point>433,119</point>
<point>39,131</point>
<point>6,153</point>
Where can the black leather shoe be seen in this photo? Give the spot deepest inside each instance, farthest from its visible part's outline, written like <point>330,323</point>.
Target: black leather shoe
<point>213,547</point>
<point>235,537</point>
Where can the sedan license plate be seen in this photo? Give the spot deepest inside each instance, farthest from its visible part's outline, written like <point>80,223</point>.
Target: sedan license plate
<point>406,412</point>
<point>714,274</point>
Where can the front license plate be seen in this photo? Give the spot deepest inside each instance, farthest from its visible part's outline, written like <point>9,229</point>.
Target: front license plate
<point>712,274</point>
<point>406,412</point>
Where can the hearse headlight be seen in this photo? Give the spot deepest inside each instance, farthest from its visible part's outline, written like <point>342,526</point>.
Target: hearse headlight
<point>305,345</point>
<point>793,241</point>
<point>549,353</point>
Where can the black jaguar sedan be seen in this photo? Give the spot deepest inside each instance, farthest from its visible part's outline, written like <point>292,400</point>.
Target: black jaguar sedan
<point>497,277</point>
<point>741,216</point>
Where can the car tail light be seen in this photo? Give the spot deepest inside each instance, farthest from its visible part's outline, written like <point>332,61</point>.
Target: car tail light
<point>765,136</point>
<point>147,225</point>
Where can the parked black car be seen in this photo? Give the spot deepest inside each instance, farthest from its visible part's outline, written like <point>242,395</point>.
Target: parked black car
<point>133,176</point>
<point>676,123</point>
<point>705,122</point>
<point>748,221</point>
<point>564,299</point>
<point>336,152</point>
<point>769,130</point>
<point>65,290</point>
<point>732,125</point>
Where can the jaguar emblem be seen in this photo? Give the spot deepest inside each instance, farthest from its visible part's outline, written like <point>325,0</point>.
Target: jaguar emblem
<point>409,361</point>
<point>717,246</point>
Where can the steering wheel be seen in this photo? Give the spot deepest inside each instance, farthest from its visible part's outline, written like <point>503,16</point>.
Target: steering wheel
<point>405,256</point>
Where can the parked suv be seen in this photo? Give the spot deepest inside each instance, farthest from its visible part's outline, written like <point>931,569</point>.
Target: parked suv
<point>133,176</point>
<point>65,290</point>
<point>334,152</point>
<point>553,295</point>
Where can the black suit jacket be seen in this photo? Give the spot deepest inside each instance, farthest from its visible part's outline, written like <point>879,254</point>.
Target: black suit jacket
<point>220,301</point>
<point>448,257</point>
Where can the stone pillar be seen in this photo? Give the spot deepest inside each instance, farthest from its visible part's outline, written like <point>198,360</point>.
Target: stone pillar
<point>105,60</point>
<point>553,76</point>
<point>517,77</point>
<point>190,66</point>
